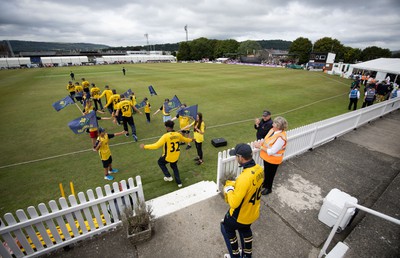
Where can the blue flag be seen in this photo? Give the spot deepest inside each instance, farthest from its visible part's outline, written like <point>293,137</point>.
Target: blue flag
<point>62,103</point>
<point>152,90</point>
<point>172,104</point>
<point>141,104</point>
<point>82,123</point>
<point>189,111</point>
<point>128,93</point>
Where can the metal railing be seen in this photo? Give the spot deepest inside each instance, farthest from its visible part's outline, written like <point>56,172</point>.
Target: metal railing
<point>347,206</point>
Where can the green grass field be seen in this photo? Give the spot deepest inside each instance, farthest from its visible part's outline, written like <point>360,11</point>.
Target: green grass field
<point>229,96</point>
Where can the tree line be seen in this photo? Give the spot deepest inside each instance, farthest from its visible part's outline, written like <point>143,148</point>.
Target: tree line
<point>299,50</point>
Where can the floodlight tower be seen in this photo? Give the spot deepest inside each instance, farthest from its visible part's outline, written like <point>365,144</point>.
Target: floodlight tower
<point>147,38</point>
<point>186,29</point>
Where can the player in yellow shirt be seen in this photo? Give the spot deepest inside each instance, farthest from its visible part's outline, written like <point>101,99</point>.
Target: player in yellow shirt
<point>243,197</point>
<point>166,115</point>
<point>147,109</point>
<point>105,153</point>
<point>170,143</point>
<point>78,92</point>
<point>71,89</point>
<point>95,93</point>
<point>125,107</point>
<point>112,102</point>
<point>107,93</point>
<point>199,128</point>
<point>183,123</point>
<point>85,85</point>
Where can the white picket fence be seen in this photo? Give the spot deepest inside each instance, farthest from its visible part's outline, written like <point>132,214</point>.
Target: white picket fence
<point>66,223</point>
<point>307,137</point>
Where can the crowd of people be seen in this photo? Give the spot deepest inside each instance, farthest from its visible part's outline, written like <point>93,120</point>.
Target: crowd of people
<point>374,91</point>
<point>122,108</point>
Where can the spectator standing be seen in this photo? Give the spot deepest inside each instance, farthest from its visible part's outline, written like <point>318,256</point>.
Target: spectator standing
<point>354,95</point>
<point>272,149</point>
<point>263,125</point>
<point>243,197</point>
<point>105,153</point>
<point>171,152</point>
<point>369,97</point>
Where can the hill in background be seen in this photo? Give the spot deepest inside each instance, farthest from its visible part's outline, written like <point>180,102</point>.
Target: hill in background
<point>35,46</point>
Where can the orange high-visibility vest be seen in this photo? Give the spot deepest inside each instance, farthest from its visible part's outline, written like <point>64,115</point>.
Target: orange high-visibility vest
<point>268,142</point>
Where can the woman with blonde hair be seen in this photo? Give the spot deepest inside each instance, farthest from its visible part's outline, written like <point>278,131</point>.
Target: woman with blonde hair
<point>272,149</point>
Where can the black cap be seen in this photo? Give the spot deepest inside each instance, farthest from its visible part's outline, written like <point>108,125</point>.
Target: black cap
<point>243,150</point>
<point>266,113</point>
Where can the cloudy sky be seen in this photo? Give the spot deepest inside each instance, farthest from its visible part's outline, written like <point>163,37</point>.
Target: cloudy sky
<point>125,22</point>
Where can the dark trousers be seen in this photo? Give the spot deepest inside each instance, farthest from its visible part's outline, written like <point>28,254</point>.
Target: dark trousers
<point>353,101</point>
<point>367,103</point>
<point>199,149</point>
<point>97,102</point>
<point>228,230</point>
<point>129,120</point>
<point>148,117</point>
<point>162,163</point>
<point>269,174</point>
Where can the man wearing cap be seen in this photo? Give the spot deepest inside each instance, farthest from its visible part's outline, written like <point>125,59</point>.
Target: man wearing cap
<point>243,197</point>
<point>105,153</point>
<point>263,125</point>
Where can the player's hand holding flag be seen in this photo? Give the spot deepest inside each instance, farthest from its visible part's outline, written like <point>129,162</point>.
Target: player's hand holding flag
<point>58,105</point>
<point>172,104</point>
<point>189,111</point>
<point>84,122</point>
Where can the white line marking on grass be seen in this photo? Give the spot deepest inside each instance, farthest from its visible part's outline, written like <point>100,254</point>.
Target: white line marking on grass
<point>70,153</point>
<point>156,137</point>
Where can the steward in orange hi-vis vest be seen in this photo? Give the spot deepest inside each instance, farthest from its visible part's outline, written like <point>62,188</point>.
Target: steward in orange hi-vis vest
<point>269,140</point>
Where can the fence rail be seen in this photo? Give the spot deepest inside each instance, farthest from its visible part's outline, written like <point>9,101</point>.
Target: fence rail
<point>65,223</point>
<point>310,136</point>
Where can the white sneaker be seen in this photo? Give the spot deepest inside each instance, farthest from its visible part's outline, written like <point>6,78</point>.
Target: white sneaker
<point>180,185</point>
<point>227,256</point>
<point>169,179</point>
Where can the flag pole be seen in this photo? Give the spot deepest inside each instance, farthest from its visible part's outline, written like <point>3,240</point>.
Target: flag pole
<point>78,107</point>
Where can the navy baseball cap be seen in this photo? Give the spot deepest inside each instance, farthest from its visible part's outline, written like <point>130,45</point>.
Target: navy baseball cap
<point>243,150</point>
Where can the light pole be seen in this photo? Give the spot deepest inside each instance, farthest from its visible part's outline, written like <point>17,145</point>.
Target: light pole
<point>186,29</point>
<point>147,38</point>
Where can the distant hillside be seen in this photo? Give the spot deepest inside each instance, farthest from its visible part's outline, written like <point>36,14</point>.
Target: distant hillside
<point>275,44</point>
<point>35,46</point>
<point>32,46</point>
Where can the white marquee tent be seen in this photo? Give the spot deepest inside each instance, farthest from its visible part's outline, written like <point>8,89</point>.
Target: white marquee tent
<point>382,67</point>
